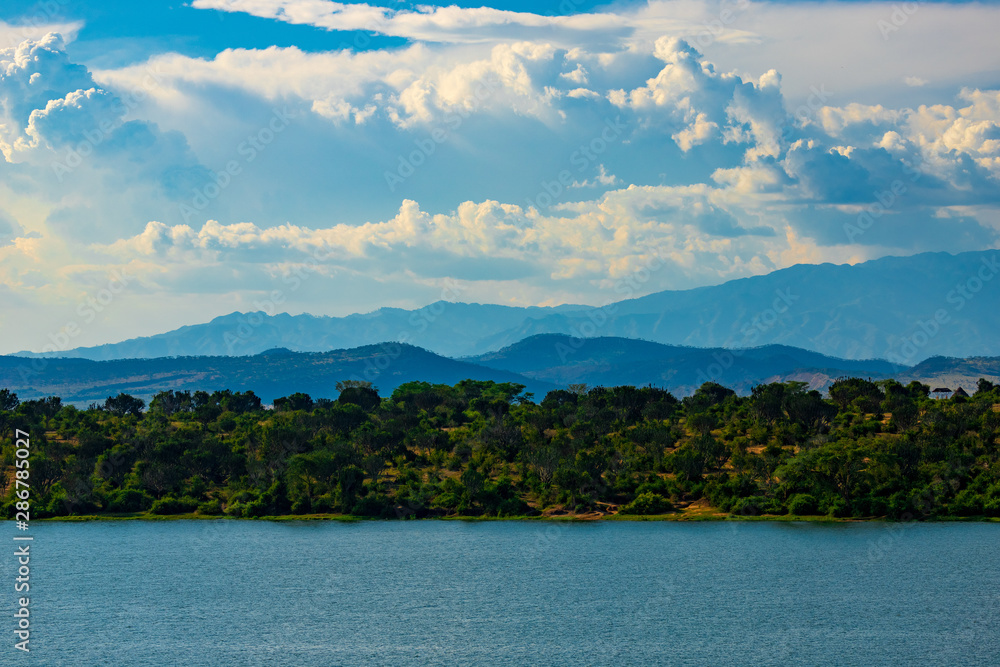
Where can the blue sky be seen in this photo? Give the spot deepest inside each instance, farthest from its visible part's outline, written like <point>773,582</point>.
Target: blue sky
<point>167,162</point>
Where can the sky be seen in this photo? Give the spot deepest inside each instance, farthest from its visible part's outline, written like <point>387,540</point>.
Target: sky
<point>167,162</point>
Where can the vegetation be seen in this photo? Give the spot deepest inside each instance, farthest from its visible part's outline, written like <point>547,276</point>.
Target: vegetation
<point>481,448</point>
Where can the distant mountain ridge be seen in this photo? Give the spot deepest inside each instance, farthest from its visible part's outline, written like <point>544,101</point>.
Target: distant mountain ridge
<point>247,334</point>
<point>271,375</point>
<point>541,363</point>
<point>904,309</point>
<point>563,360</point>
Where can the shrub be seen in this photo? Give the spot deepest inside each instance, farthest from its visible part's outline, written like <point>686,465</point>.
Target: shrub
<point>323,504</point>
<point>647,503</point>
<point>967,503</point>
<point>802,504</point>
<point>255,508</point>
<point>513,507</point>
<point>302,506</point>
<point>374,504</point>
<point>752,506</point>
<point>833,506</point>
<point>128,500</point>
<point>446,501</point>
<point>210,507</point>
<point>170,505</point>
<point>235,509</point>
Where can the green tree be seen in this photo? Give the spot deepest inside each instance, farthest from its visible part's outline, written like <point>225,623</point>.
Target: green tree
<point>123,405</point>
<point>297,401</point>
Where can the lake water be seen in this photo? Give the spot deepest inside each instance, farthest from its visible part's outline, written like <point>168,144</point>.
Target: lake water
<point>508,593</point>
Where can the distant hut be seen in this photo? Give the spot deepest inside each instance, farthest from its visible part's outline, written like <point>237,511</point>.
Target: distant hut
<point>960,392</point>
<point>941,392</point>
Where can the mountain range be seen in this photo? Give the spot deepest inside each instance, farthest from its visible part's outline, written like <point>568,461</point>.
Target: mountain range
<point>541,363</point>
<point>271,374</point>
<point>905,309</point>
<point>610,361</point>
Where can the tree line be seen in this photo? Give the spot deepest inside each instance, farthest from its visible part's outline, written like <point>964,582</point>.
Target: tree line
<point>481,448</point>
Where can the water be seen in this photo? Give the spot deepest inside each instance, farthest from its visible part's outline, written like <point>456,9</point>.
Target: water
<point>450,593</point>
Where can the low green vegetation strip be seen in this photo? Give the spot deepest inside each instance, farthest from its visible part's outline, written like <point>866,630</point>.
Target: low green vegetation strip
<point>486,450</point>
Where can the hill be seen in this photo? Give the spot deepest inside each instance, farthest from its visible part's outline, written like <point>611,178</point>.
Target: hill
<point>905,309</point>
<point>611,361</point>
<point>954,373</point>
<point>270,375</point>
<point>542,363</point>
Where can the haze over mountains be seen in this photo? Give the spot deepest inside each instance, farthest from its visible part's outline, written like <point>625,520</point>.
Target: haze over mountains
<point>272,374</point>
<point>541,363</point>
<point>560,359</point>
<point>905,309</point>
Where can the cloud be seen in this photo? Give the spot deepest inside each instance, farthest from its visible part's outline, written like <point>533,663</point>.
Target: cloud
<point>577,76</point>
<point>82,146</point>
<point>32,75</point>
<point>750,36</point>
<point>541,159</point>
<point>36,28</point>
<point>579,249</point>
<point>828,156</point>
<point>9,229</point>
<point>914,81</point>
<point>836,121</point>
<point>694,102</point>
<point>603,178</point>
<point>428,23</point>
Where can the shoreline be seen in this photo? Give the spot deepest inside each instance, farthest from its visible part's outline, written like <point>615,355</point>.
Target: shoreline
<point>346,518</point>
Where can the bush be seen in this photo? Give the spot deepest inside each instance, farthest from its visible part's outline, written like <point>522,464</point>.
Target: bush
<point>646,504</point>
<point>323,504</point>
<point>513,507</point>
<point>967,503</point>
<point>836,507</point>
<point>255,508</point>
<point>122,501</point>
<point>992,507</point>
<point>210,507</point>
<point>373,504</point>
<point>446,501</point>
<point>663,487</point>
<point>170,505</point>
<point>752,506</point>
<point>60,505</point>
<point>687,463</point>
<point>802,504</point>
